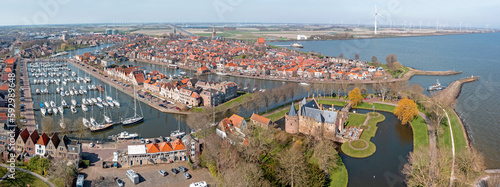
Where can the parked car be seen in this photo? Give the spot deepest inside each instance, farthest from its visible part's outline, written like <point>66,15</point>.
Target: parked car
<point>175,171</point>
<point>182,168</point>
<point>142,140</point>
<point>162,172</point>
<point>119,182</point>
<point>187,175</point>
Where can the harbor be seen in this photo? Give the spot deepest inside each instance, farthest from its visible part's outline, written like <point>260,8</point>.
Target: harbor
<point>102,107</point>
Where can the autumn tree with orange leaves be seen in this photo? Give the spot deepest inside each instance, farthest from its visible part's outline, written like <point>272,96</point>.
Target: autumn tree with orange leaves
<point>406,110</point>
<point>355,97</point>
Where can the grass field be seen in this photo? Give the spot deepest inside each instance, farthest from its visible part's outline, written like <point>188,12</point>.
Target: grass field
<point>330,102</point>
<point>339,175</point>
<point>458,131</point>
<point>280,114</point>
<point>355,119</point>
<point>24,179</point>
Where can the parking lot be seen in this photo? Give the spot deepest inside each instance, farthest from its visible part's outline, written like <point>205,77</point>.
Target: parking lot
<point>149,176</point>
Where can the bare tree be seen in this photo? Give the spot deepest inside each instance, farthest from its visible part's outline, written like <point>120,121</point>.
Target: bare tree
<point>383,86</point>
<point>292,90</point>
<point>345,87</point>
<point>47,124</point>
<point>325,154</point>
<point>266,100</point>
<point>422,170</point>
<point>324,88</point>
<point>356,56</point>
<point>293,167</point>
<point>275,96</point>
<point>80,127</point>
<point>341,55</point>
<point>391,59</point>
<point>308,88</point>
<point>375,61</point>
<point>469,166</point>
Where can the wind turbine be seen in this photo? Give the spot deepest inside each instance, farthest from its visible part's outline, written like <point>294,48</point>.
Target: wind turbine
<point>460,28</point>
<point>375,18</point>
<point>437,24</point>
<point>420,24</point>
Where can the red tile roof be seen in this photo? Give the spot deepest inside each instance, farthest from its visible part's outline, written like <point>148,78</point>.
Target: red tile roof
<point>43,140</point>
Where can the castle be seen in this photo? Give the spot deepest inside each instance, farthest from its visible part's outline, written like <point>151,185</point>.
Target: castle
<point>312,119</point>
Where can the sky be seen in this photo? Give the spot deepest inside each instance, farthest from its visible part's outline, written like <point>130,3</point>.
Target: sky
<point>481,14</point>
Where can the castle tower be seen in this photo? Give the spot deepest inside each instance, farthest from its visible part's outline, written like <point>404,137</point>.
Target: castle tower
<point>292,120</point>
<point>213,32</point>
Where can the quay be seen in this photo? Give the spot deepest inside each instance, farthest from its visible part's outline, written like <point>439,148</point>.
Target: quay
<point>127,90</point>
<point>29,112</point>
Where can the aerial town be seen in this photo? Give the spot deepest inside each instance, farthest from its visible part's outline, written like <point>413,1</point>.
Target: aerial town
<point>225,103</point>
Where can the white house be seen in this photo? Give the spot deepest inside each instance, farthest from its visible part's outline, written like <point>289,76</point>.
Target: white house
<point>41,144</point>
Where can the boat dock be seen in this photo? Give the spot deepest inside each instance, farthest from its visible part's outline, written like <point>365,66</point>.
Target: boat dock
<point>127,90</point>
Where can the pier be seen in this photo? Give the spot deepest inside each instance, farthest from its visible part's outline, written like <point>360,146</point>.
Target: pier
<point>29,112</point>
<point>449,95</point>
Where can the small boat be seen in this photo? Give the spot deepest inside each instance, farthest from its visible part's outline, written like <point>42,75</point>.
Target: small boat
<point>73,102</point>
<point>84,108</point>
<point>62,94</point>
<point>46,104</point>
<point>49,111</point>
<point>109,98</point>
<point>100,127</point>
<point>61,124</point>
<point>99,99</point>
<point>37,91</point>
<point>304,83</point>
<point>52,104</point>
<point>110,104</point>
<point>43,111</point>
<point>116,103</point>
<point>126,135</point>
<point>54,110</point>
<point>297,45</point>
<point>86,122</point>
<point>173,66</point>
<point>105,104</point>
<point>177,133</point>
<point>435,87</point>
<point>100,105</point>
<point>93,100</point>
<point>57,90</point>
<point>87,79</point>
<point>63,103</point>
<point>61,109</point>
<point>41,105</point>
<point>73,109</point>
<point>107,119</point>
<point>84,101</point>
<point>71,92</point>
<point>222,74</point>
<point>73,74</point>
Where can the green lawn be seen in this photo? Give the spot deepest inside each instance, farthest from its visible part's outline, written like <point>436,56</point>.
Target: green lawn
<point>355,119</point>
<point>330,102</point>
<point>3,171</point>
<point>280,114</point>
<point>230,103</point>
<point>367,135</point>
<point>420,132</point>
<point>378,106</point>
<point>221,34</point>
<point>339,175</point>
<point>458,131</point>
<point>24,179</point>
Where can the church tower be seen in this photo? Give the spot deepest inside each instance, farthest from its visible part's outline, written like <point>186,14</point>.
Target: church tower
<point>292,120</point>
<point>213,32</point>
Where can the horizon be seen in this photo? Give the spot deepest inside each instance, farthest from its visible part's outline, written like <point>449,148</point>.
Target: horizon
<point>394,12</point>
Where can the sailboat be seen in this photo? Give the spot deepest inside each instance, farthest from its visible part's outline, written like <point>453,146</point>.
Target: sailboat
<point>73,109</point>
<point>84,108</point>
<point>63,103</point>
<point>178,131</point>
<point>136,118</point>
<point>86,122</point>
<point>43,111</point>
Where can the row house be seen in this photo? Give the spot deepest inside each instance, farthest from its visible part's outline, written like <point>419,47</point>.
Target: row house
<point>32,144</point>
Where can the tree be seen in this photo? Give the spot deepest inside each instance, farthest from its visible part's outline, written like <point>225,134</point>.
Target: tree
<point>292,90</point>
<point>374,60</point>
<point>275,96</point>
<point>341,55</point>
<point>266,100</point>
<point>80,127</point>
<point>325,154</point>
<point>383,86</point>
<point>199,122</point>
<point>63,174</point>
<point>316,176</point>
<point>308,88</point>
<point>406,110</point>
<point>345,87</point>
<point>63,47</point>
<point>391,59</point>
<point>356,56</point>
<point>324,89</point>
<point>355,97</point>
<point>47,124</point>
<point>469,165</point>
<point>293,166</point>
<point>421,170</point>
